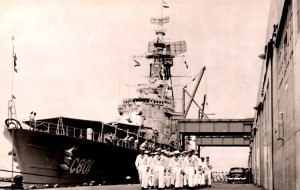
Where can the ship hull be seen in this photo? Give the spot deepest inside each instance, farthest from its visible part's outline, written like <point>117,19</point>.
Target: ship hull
<point>41,154</point>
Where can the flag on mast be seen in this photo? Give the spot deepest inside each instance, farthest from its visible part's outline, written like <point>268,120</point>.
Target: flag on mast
<point>165,4</point>
<point>15,62</point>
<point>14,55</point>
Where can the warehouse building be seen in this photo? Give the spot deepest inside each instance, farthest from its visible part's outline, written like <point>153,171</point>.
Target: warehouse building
<point>275,147</point>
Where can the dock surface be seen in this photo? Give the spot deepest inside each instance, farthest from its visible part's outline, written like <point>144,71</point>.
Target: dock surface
<point>215,186</point>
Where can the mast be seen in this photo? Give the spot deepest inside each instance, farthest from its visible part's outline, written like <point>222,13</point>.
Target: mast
<point>12,113</point>
<point>162,53</point>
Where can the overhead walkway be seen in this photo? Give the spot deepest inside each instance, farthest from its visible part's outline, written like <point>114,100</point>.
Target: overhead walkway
<point>216,132</point>
<point>223,141</point>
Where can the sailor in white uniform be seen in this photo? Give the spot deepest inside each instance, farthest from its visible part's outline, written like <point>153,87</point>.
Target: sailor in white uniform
<point>191,166</point>
<point>207,168</point>
<point>167,179</point>
<point>203,165</point>
<point>150,172</point>
<point>141,163</point>
<point>159,169</point>
<point>184,179</point>
<point>197,174</point>
<point>176,166</point>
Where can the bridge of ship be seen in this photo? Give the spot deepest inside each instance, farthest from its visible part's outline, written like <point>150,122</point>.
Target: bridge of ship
<point>216,132</point>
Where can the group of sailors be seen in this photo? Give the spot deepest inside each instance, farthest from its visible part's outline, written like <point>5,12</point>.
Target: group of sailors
<point>219,176</point>
<point>32,122</point>
<point>127,142</point>
<point>163,169</point>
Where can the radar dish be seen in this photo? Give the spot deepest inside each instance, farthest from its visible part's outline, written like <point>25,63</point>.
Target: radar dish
<point>160,21</point>
<point>172,48</point>
<point>176,48</point>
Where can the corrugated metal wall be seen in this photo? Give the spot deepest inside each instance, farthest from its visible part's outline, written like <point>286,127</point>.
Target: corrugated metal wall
<point>276,151</point>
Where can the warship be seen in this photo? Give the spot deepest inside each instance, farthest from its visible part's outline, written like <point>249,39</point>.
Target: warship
<point>70,151</point>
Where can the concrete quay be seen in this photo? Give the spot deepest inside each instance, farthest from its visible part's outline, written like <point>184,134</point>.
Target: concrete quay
<point>215,186</point>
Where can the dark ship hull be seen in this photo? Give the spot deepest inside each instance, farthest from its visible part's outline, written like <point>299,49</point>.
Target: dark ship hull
<point>40,155</point>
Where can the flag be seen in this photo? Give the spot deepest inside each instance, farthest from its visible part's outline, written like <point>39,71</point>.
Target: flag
<point>137,64</point>
<point>13,97</point>
<point>165,5</point>
<point>186,64</point>
<point>15,62</point>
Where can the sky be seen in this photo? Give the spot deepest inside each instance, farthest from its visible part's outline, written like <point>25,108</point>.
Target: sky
<point>75,58</point>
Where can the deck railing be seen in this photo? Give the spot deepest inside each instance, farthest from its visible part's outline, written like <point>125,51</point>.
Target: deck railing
<point>106,134</point>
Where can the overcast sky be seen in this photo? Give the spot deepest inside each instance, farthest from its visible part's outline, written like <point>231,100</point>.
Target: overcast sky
<point>75,57</point>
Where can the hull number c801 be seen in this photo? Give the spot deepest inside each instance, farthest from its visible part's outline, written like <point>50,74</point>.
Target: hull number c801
<point>82,166</point>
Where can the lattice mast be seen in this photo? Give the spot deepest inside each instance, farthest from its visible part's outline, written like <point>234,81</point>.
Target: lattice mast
<point>162,53</point>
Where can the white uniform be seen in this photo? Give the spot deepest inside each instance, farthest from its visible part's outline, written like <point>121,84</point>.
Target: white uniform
<point>141,163</point>
<point>197,174</point>
<point>203,165</point>
<point>168,173</point>
<point>150,172</point>
<point>207,174</point>
<point>191,166</point>
<point>176,165</point>
<point>184,179</point>
<point>201,175</point>
<point>159,166</point>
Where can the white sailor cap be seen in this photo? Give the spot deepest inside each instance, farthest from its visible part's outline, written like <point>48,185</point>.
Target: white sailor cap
<point>147,152</point>
<point>176,152</point>
<point>159,149</point>
<point>142,148</point>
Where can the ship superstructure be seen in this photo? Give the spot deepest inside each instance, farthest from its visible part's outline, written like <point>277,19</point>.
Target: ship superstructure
<point>154,107</point>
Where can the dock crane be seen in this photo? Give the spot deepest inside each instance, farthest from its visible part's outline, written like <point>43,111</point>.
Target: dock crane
<point>186,140</point>
<point>185,109</point>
